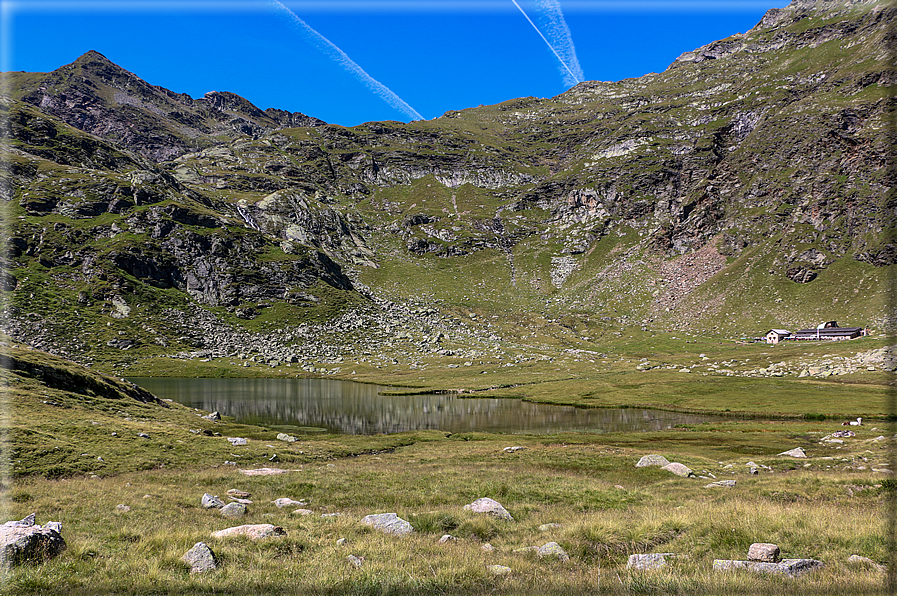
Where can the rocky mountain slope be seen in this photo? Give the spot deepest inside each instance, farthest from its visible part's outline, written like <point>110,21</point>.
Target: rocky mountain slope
<point>747,186</point>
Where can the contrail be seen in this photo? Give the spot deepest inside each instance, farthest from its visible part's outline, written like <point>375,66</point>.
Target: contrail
<point>558,32</point>
<point>559,27</point>
<point>341,57</point>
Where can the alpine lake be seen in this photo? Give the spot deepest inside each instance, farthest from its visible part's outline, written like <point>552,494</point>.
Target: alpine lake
<point>347,407</point>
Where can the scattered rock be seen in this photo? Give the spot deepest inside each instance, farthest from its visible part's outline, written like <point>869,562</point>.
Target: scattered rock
<point>23,541</point>
<point>253,531</point>
<point>200,558</point>
<point>513,449</point>
<point>210,501</point>
<point>143,435</point>
<point>389,523</point>
<point>233,510</point>
<point>678,469</point>
<point>341,542</point>
<point>263,472</point>
<point>764,552</point>
<point>287,502</point>
<point>214,417</point>
<point>796,452</point>
<point>487,548</point>
<point>356,562</point>
<point>490,506</point>
<point>122,508</point>
<point>551,526</point>
<point>648,561</point>
<point>241,501</point>
<point>303,512</point>
<point>789,567</point>
<point>864,562</point>
<point>721,483</point>
<point>446,538</point>
<point>553,549</point>
<point>233,492</point>
<point>499,570</point>
<point>235,441</point>
<point>652,460</point>
<point>286,437</point>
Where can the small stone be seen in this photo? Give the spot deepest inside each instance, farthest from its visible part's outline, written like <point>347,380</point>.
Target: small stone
<point>551,526</point>
<point>487,548</point>
<point>796,452</point>
<point>648,561</point>
<point>143,435</point>
<point>389,523</point>
<point>286,437</point>
<point>721,484</point>
<point>233,492</point>
<point>553,549</point>
<point>652,460</point>
<point>214,417</point>
<point>446,538</point>
<point>233,510</point>
<point>263,472</point>
<point>499,569</point>
<point>122,508</point>
<point>53,525</point>
<point>513,449</point>
<point>200,558</point>
<point>341,542</point>
<point>356,562</point>
<point>490,506</point>
<point>678,469</point>
<point>253,531</point>
<point>241,501</point>
<point>303,512</point>
<point>789,567</point>
<point>287,502</point>
<point>860,561</point>
<point>235,441</point>
<point>211,501</point>
<point>764,552</point>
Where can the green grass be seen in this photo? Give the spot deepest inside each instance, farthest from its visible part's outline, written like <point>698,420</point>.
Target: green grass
<point>67,466</point>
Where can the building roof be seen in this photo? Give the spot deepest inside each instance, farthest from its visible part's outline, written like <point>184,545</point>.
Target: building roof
<point>780,331</point>
<point>831,331</point>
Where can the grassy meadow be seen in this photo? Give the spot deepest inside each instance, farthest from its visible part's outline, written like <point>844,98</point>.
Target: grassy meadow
<point>68,466</point>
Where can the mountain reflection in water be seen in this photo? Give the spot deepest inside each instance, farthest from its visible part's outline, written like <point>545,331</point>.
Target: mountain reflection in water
<point>354,408</point>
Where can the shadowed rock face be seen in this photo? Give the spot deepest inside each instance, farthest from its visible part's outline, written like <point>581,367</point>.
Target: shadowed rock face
<point>99,97</point>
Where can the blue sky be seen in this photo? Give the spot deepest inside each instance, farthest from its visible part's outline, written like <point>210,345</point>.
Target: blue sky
<point>435,55</point>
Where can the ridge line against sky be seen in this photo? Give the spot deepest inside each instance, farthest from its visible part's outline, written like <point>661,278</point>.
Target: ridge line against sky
<point>438,56</point>
<point>350,65</point>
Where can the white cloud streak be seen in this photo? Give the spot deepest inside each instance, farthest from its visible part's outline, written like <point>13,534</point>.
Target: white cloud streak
<point>329,48</point>
<point>557,31</point>
<point>561,43</point>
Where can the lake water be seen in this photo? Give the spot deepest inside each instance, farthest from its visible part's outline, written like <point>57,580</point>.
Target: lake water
<point>346,407</point>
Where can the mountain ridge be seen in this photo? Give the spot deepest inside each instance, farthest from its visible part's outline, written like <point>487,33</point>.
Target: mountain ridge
<point>746,185</point>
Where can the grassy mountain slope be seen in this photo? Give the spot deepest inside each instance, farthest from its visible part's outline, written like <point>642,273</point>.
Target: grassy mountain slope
<point>745,187</point>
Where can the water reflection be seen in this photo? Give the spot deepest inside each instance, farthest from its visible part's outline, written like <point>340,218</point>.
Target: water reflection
<point>354,408</point>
